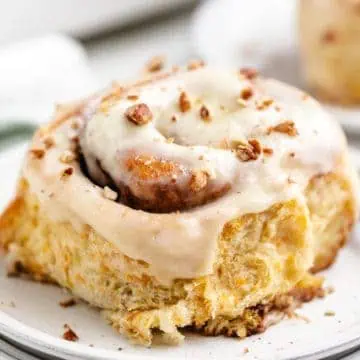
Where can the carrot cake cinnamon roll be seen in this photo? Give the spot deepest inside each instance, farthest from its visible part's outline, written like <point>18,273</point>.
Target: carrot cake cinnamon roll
<point>201,197</point>
<point>329,42</point>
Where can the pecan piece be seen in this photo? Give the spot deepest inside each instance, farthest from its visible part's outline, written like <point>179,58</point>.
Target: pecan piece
<point>198,181</point>
<point>264,104</point>
<point>246,93</point>
<point>286,127</point>
<point>69,334</point>
<point>67,172</point>
<point>48,142</point>
<point>139,114</point>
<point>155,64</point>
<point>184,102</point>
<point>248,152</point>
<point>67,303</point>
<point>132,97</point>
<point>268,151</point>
<point>205,114</point>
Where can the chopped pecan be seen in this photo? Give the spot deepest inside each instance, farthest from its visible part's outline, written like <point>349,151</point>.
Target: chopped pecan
<point>132,97</point>
<point>264,104</point>
<point>67,303</point>
<point>37,153</point>
<point>286,127</point>
<point>48,142</point>
<point>156,63</point>
<point>139,114</point>
<point>67,172</point>
<point>255,145</point>
<point>268,151</point>
<point>247,151</point>
<point>184,102</point>
<point>69,334</point>
<point>198,181</point>
<point>205,113</point>
<point>246,93</point>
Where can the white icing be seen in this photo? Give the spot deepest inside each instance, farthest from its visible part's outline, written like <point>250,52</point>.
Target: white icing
<point>183,245</point>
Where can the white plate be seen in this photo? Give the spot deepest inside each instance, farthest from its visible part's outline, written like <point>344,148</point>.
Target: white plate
<point>260,33</point>
<point>30,315</point>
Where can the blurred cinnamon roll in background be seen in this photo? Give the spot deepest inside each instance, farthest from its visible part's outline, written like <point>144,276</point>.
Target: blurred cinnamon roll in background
<point>330,46</point>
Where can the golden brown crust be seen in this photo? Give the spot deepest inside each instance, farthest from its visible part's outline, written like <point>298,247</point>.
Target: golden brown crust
<point>324,262</point>
<point>7,221</point>
<point>331,231</point>
<point>244,274</point>
<point>259,318</point>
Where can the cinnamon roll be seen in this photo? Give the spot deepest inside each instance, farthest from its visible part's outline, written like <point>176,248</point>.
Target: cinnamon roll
<point>201,197</point>
<point>329,39</point>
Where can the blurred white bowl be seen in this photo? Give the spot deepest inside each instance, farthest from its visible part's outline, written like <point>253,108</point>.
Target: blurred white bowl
<point>21,19</point>
<point>39,72</point>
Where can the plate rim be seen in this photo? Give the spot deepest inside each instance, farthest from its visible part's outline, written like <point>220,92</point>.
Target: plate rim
<point>17,332</point>
<point>31,338</point>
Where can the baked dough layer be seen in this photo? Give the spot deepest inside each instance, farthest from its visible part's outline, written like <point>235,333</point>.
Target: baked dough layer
<point>231,264</point>
<point>261,270</point>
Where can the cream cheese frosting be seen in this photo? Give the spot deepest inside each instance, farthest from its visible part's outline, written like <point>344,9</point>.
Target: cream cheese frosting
<point>184,244</point>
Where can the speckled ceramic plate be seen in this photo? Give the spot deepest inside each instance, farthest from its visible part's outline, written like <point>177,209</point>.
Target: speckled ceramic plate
<point>257,33</point>
<point>31,317</point>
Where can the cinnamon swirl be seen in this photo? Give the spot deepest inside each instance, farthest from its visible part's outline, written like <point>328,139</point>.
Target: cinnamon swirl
<point>202,197</point>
